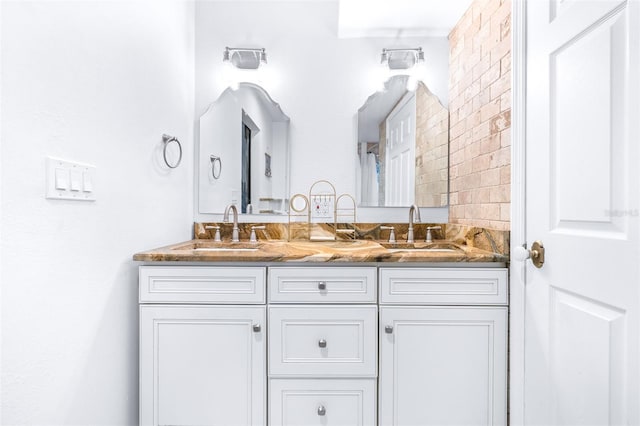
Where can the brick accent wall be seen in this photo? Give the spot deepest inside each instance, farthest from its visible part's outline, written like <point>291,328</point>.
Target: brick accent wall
<point>432,149</point>
<point>480,116</point>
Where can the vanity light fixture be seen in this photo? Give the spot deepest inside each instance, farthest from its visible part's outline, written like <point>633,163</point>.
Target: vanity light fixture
<point>404,61</point>
<point>245,58</point>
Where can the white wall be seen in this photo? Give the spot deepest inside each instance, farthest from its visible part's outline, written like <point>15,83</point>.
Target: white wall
<point>319,80</point>
<point>97,82</point>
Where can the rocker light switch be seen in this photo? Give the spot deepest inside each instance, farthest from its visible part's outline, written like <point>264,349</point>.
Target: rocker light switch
<point>76,178</point>
<point>61,179</point>
<point>87,183</point>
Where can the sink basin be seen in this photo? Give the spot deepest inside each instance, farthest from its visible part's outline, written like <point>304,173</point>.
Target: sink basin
<point>225,249</point>
<point>209,246</point>
<point>436,247</point>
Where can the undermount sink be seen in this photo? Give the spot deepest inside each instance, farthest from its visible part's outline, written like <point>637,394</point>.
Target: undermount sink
<point>226,249</point>
<point>208,246</point>
<point>437,247</point>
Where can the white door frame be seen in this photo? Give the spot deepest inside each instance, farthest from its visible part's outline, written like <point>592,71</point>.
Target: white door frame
<point>518,204</point>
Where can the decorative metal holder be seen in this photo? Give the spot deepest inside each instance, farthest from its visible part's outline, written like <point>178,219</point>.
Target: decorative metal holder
<point>215,160</point>
<point>167,140</point>
<point>298,218</point>
<point>322,206</point>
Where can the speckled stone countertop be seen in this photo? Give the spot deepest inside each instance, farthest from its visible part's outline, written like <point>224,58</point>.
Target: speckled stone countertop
<point>201,250</point>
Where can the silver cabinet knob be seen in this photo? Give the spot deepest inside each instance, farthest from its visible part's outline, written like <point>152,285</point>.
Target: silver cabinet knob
<point>322,343</point>
<point>388,329</point>
<point>322,285</point>
<point>321,410</point>
<point>257,328</point>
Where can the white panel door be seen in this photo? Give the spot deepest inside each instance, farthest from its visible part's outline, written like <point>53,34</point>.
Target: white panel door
<point>582,120</point>
<point>400,153</point>
<point>443,366</point>
<point>202,365</point>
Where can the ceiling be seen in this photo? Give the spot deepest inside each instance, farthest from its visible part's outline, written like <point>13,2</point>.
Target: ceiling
<point>399,18</point>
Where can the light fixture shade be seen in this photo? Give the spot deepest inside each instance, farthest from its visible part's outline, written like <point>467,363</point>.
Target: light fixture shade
<point>245,58</point>
<point>401,59</point>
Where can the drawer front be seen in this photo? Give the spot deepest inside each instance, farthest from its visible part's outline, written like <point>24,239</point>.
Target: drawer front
<point>198,284</point>
<point>332,402</point>
<point>322,285</point>
<point>323,341</point>
<point>443,286</point>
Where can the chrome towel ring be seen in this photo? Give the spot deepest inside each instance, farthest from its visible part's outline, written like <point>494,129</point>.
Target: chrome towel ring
<point>215,159</point>
<point>167,139</point>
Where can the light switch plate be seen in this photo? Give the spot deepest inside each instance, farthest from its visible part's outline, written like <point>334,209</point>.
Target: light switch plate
<point>67,180</point>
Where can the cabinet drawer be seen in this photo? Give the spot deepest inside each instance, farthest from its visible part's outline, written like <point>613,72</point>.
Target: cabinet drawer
<point>197,284</point>
<point>329,402</point>
<point>443,286</point>
<point>323,341</point>
<point>322,285</point>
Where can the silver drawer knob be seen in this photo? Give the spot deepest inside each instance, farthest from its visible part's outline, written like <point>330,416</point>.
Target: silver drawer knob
<point>322,343</point>
<point>388,329</point>
<point>257,328</point>
<point>322,285</point>
<point>321,410</point>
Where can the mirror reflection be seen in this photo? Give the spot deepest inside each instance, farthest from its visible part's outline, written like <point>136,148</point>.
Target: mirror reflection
<point>403,147</point>
<point>243,153</point>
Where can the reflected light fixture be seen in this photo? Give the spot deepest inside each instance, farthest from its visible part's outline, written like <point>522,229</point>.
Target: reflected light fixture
<point>245,58</point>
<point>401,59</point>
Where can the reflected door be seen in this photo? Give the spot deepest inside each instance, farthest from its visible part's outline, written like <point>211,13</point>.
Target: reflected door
<point>246,167</point>
<point>400,153</point>
<point>581,311</point>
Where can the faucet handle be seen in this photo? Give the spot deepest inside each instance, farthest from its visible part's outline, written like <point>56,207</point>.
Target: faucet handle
<point>216,238</point>
<point>392,234</point>
<point>252,237</point>
<point>429,237</point>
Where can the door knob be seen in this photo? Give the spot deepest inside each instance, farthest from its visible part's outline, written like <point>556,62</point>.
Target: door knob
<point>536,254</point>
<point>322,343</point>
<point>321,410</point>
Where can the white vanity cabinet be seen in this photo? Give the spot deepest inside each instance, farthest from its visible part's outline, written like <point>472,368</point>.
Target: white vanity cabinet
<point>443,346</point>
<point>347,345</point>
<point>323,332</point>
<point>202,346</point>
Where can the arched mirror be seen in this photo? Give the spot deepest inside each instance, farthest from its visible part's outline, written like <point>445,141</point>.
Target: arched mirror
<point>243,153</point>
<point>403,147</point>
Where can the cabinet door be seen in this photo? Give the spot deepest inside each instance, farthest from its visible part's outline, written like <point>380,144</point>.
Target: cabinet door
<point>202,365</point>
<point>443,366</point>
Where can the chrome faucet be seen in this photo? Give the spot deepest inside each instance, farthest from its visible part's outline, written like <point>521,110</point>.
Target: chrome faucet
<point>235,236</point>
<point>414,211</point>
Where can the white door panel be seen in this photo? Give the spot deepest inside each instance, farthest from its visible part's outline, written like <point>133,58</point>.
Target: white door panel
<point>400,153</point>
<point>581,307</point>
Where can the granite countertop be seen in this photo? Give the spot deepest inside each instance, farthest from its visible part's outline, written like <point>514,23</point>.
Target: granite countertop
<point>200,250</point>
